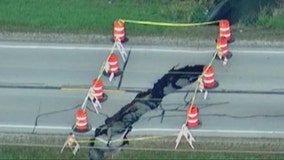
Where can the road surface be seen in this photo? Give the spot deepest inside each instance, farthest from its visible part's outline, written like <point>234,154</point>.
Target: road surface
<point>41,86</point>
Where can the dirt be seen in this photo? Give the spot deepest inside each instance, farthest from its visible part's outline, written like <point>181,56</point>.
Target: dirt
<point>273,146</point>
<point>243,38</point>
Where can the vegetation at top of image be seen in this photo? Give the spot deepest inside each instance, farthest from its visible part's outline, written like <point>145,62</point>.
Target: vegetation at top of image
<point>97,16</point>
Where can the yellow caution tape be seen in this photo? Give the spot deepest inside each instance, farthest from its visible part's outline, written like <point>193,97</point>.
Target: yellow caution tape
<point>102,68</point>
<point>200,80</point>
<point>160,24</point>
<point>168,24</point>
<point>131,139</point>
<point>144,138</point>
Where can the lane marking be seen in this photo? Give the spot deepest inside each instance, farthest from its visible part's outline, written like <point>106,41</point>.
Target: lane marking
<point>52,47</point>
<point>147,49</point>
<point>208,131</point>
<point>74,88</point>
<point>32,127</point>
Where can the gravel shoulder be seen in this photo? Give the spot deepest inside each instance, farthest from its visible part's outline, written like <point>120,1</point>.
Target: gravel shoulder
<point>240,40</point>
<point>241,147</point>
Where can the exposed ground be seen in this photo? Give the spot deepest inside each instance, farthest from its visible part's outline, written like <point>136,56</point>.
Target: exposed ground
<point>212,147</point>
<point>244,37</point>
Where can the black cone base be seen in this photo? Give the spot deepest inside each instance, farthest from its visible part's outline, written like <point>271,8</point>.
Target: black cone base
<point>124,41</point>
<point>105,97</point>
<point>215,85</point>
<point>115,75</point>
<point>229,55</point>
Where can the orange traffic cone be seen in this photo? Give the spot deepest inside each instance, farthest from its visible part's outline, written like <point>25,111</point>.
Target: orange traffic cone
<point>209,78</point>
<point>223,49</point>
<point>192,116</point>
<point>112,66</point>
<point>81,122</point>
<point>224,30</point>
<point>97,90</point>
<point>118,31</point>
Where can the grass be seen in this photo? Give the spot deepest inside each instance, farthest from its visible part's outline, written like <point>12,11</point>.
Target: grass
<point>97,16</point>
<point>81,16</point>
<point>34,153</point>
<point>274,19</point>
<point>277,20</point>
<point>44,146</point>
<point>45,152</point>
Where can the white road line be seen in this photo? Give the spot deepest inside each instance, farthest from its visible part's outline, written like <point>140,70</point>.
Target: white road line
<point>139,49</point>
<point>38,127</point>
<point>208,131</point>
<point>53,47</point>
<point>211,131</point>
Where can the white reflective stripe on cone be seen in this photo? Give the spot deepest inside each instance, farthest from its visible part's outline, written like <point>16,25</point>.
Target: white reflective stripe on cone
<point>81,118</point>
<point>209,75</point>
<point>192,121</point>
<point>224,29</point>
<point>119,28</point>
<point>112,63</point>
<point>208,81</point>
<point>192,115</point>
<point>81,124</point>
<point>98,88</point>
<point>119,35</point>
<point>96,93</point>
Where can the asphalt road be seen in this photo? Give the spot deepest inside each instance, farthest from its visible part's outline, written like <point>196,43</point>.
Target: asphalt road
<point>41,85</point>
